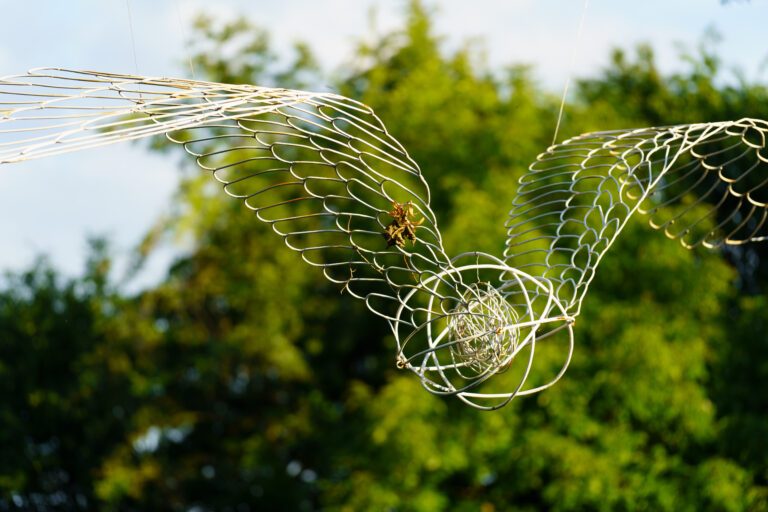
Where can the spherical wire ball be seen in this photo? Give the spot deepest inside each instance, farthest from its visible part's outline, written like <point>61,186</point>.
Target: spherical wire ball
<point>482,331</point>
<point>468,329</point>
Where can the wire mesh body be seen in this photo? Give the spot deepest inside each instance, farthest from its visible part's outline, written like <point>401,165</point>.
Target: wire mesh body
<point>325,174</point>
<point>470,333</point>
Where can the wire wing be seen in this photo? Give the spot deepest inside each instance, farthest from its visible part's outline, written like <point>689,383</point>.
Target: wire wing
<point>702,184</point>
<point>51,111</point>
<point>320,168</point>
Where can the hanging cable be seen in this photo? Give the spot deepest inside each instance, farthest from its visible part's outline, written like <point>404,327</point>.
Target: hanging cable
<point>184,38</point>
<point>570,70</point>
<point>133,40</point>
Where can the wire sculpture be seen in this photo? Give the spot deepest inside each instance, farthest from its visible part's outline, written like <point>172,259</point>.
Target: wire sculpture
<point>323,171</point>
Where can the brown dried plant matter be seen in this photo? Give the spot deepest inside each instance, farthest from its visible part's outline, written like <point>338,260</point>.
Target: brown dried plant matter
<point>401,228</point>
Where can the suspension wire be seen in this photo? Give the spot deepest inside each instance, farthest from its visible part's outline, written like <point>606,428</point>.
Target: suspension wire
<point>184,39</point>
<point>570,69</point>
<point>133,39</point>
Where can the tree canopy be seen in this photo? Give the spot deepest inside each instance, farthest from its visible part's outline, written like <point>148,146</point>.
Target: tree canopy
<point>245,381</point>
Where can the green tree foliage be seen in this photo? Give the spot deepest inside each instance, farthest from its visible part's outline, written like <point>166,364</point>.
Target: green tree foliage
<point>67,384</point>
<point>245,381</point>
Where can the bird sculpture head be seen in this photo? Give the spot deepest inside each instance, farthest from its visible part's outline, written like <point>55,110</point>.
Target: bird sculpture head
<point>479,319</point>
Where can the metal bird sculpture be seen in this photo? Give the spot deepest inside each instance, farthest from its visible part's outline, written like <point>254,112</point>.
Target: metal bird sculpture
<point>323,171</point>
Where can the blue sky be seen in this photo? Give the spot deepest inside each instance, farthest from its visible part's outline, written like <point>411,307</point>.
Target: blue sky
<point>51,205</point>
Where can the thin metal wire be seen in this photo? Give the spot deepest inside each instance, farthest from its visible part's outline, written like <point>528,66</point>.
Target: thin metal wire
<point>133,40</point>
<point>325,174</point>
<point>180,27</point>
<point>570,70</point>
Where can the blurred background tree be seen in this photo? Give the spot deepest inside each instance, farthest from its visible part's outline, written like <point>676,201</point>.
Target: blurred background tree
<point>245,381</point>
